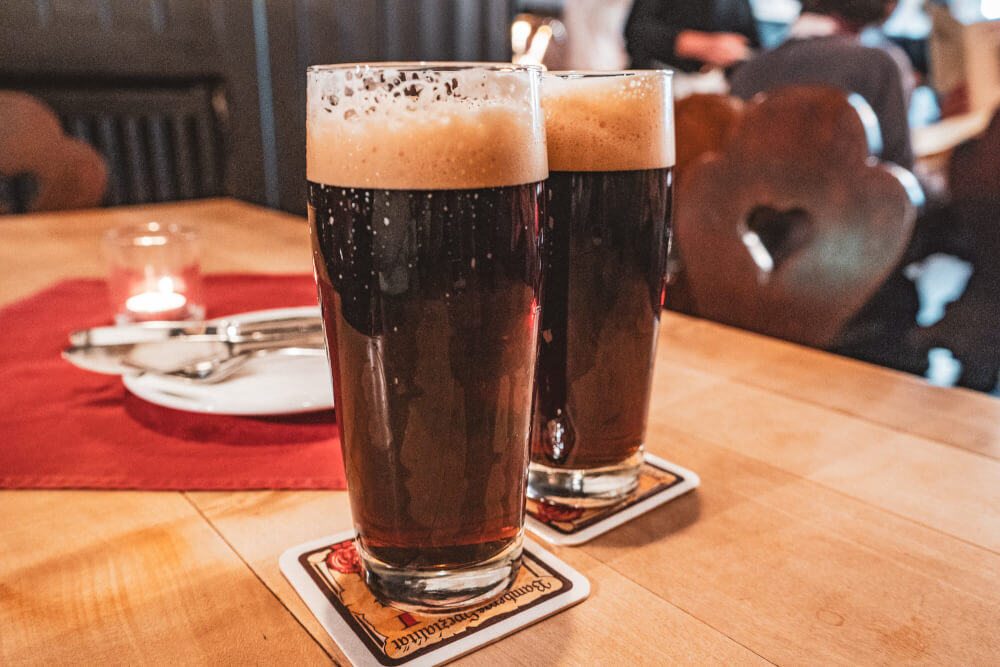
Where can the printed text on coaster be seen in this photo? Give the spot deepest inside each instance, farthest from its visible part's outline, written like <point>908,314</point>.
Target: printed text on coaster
<point>326,573</point>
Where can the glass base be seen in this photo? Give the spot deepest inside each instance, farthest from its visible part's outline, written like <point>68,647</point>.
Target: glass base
<point>441,591</point>
<point>592,487</point>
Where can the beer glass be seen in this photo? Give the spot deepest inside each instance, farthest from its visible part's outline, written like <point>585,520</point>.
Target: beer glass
<point>425,183</point>
<point>611,151</point>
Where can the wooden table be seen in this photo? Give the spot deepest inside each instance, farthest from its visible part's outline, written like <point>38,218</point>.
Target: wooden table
<point>847,514</point>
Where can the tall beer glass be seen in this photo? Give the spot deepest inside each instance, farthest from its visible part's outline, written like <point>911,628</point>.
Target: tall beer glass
<point>611,151</point>
<point>425,186</point>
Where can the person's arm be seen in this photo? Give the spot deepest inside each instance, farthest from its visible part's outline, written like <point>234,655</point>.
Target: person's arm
<point>718,49</point>
<point>890,107</point>
<point>655,32</point>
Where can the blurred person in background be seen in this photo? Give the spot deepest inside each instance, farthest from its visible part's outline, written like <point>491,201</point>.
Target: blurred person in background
<point>689,35</point>
<point>823,47</point>
<point>595,30</point>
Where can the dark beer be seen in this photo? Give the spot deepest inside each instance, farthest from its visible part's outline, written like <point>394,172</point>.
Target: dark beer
<point>611,152</point>
<point>430,303</point>
<point>425,194</point>
<point>604,280</point>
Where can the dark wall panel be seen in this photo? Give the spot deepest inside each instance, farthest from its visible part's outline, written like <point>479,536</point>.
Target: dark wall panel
<point>109,38</point>
<point>252,56</point>
<point>309,32</point>
<point>108,52</point>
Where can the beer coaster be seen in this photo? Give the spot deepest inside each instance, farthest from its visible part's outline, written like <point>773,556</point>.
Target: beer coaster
<point>326,574</point>
<point>659,482</point>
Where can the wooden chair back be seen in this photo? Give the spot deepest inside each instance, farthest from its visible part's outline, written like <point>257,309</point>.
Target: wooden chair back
<point>974,167</point>
<point>703,123</point>
<point>971,325</point>
<point>791,227</point>
<point>162,140</point>
<point>42,169</point>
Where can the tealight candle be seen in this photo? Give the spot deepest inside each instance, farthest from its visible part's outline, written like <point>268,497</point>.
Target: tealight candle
<point>154,273</point>
<point>162,304</point>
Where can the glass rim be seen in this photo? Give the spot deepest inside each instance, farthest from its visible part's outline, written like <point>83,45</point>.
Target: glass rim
<point>428,66</point>
<point>140,233</point>
<point>605,74</point>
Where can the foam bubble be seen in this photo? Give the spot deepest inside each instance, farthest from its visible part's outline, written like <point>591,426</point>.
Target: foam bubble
<point>389,128</point>
<point>609,123</point>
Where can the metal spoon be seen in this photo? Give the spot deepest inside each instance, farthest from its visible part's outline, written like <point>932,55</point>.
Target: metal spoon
<point>212,370</point>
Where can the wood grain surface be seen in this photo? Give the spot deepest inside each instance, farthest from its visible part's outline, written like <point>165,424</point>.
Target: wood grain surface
<point>847,514</point>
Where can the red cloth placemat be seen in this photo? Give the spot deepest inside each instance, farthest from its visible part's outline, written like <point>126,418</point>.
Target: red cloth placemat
<point>62,427</point>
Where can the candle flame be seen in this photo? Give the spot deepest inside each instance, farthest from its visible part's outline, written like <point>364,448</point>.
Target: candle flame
<point>519,33</point>
<point>540,43</point>
<point>165,284</point>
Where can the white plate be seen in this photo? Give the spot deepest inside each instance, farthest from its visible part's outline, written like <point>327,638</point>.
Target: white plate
<point>268,385</point>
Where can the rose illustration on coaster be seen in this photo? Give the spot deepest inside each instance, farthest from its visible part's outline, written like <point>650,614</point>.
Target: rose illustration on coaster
<point>327,574</point>
<point>659,482</point>
<point>549,512</point>
<point>344,558</point>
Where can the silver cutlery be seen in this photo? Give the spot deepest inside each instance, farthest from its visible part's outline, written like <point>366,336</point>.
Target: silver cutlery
<point>233,331</point>
<point>211,370</point>
<point>192,351</point>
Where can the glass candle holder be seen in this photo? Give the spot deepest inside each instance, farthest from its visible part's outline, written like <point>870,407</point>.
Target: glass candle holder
<point>154,273</point>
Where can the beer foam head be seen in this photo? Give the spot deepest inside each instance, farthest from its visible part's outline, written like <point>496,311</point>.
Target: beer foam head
<point>605,121</point>
<point>396,126</point>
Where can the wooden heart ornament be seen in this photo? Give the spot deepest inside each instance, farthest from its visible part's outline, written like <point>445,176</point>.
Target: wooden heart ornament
<point>791,227</point>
